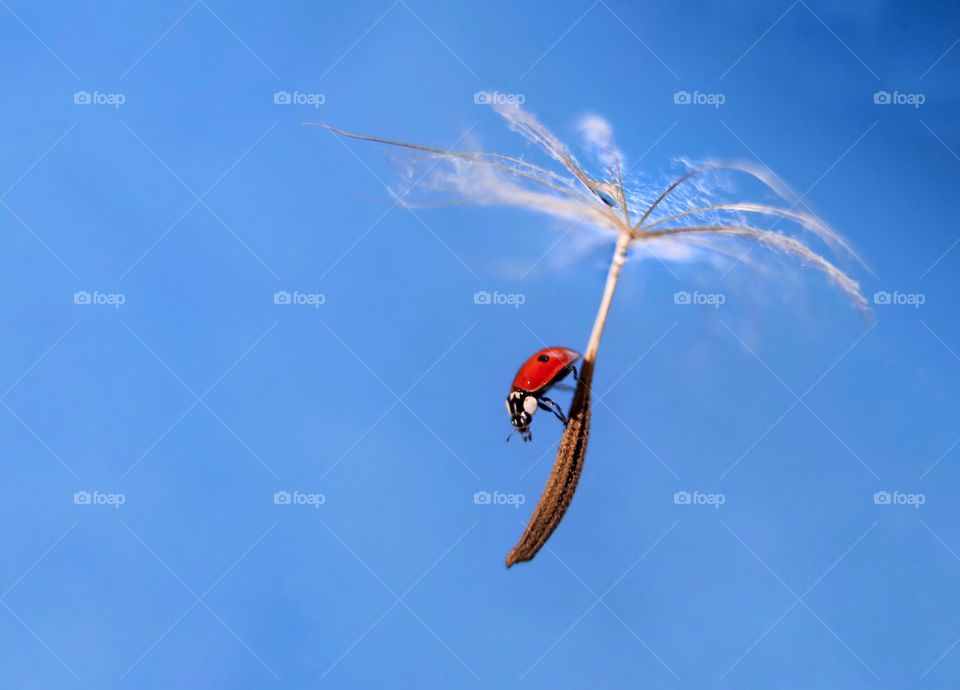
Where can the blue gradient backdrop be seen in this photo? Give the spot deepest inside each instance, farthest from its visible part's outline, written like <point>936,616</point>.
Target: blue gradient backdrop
<point>198,398</point>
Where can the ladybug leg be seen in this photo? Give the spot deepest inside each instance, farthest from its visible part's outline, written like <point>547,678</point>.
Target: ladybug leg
<point>567,386</point>
<point>551,406</point>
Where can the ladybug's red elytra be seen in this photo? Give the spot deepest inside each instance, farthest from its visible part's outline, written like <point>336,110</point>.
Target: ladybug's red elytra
<point>535,377</point>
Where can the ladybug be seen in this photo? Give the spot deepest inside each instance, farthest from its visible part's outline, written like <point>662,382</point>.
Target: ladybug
<point>535,377</point>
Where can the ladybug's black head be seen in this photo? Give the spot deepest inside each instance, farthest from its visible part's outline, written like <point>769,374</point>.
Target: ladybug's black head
<point>521,407</point>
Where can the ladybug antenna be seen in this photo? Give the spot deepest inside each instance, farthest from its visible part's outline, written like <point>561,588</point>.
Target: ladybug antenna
<point>509,436</point>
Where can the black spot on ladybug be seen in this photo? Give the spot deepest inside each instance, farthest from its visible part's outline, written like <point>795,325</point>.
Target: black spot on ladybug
<point>543,358</point>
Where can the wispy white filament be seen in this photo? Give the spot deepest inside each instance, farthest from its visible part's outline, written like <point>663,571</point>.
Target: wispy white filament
<point>668,220</point>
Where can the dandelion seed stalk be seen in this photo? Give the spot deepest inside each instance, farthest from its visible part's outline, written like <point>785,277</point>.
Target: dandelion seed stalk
<point>558,492</point>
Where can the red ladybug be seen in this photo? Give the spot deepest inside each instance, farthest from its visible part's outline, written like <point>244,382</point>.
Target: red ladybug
<point>536,376</point>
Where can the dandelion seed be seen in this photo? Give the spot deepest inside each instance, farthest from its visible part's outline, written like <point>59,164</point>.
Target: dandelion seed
<point>483,178</point>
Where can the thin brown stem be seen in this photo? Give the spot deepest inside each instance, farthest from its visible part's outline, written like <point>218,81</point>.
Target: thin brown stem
<point>563,479</point>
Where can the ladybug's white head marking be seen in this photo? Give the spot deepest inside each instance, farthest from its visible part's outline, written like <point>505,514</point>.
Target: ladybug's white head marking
<point>530,405</point>
<point>521,407</point>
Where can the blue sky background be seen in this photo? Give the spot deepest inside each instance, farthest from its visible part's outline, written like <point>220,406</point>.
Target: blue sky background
<point>198,398</point>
